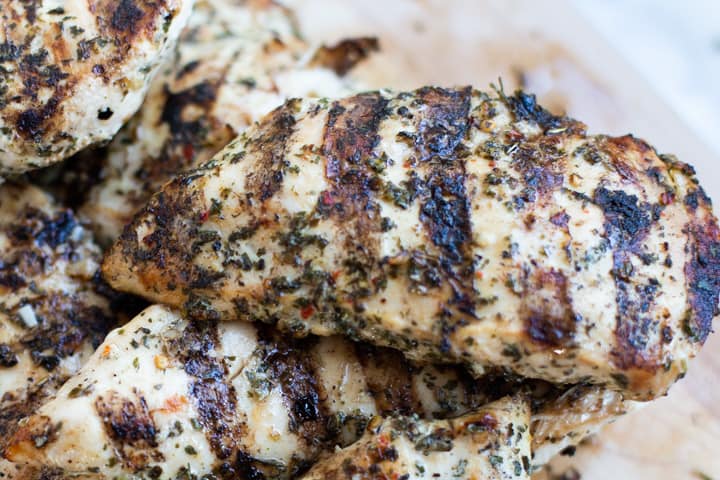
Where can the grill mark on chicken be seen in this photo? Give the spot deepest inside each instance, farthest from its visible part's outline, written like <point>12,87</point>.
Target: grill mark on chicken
<point>548,313</point>
<point>293,369</point>
<point>349,142</point>
<point>186,136</point>
<point>277,128</point>
<point>444,203</point>
<point>124,20</point>
<point>627,222</point>
<point>524,106</point>
<point>542,165</point>
<point>702,268</point>
<point>213,394</point>
<point>131,429</point>
<point>160,245</point>
<point>389,379</point>
<point>344,55</point>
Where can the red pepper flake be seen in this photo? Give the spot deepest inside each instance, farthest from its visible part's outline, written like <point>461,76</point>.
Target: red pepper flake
<point>667,198</point>
<point>204,216</point>
<point>492,163</point>
<point>188,151</point>
<point>148,239</point>
<point>307,311</point>
<point>327,198</point>
<point>514,135</point>
<point>336,274</point>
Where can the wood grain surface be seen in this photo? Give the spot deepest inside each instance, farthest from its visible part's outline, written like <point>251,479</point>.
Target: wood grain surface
<point>550,50</point>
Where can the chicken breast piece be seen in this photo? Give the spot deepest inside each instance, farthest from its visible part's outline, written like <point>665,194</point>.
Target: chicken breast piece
<point>492,443</point>
<point>565,420</point>
<point>73,72</point>
<point>55,309</point>
<point>162,396</point>
<point>451,224</point>
<point>235,62</point>
<point>165,396</point>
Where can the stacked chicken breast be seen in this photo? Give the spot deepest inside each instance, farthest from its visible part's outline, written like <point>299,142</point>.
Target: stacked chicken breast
<point>443,283</point>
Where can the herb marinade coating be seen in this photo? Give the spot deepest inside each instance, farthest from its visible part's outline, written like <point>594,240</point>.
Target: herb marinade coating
<point>451,224</point>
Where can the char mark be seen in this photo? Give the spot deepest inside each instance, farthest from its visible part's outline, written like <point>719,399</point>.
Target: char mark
<point>269,147</point>
<point>627,223</point>
<point>525,107</point>
<point>32,123</point>
<point>443,122</point>
<point>213,395</point>
<point>126,16</point>
<point>130,427</point>
<point>292,367</point>
<point>702,269</point>
<point>344,55</point>
<point>186,135</point>
<point>445,207</point>
<point>350,139</point>
<point>547,309</point>
<point>389,379</point>
<point>18,405</point>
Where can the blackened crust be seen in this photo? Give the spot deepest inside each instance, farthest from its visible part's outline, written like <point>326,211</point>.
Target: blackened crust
<point>130,427</point>
<point>293,369</point>
<point>702,268</point>
<point>276,129</point>
<point>213,395</point>
<point>389,379</point>
<point>627,222</point>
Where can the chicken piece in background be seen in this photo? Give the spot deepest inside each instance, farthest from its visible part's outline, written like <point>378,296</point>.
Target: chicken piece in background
<point>55,308</point>
<point>74,72</point>
<point>235,62</point>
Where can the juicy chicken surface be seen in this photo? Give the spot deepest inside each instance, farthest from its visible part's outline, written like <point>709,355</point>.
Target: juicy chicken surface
<point>235,62</point>
<point>490,444</point>
<point>55,309</point>
<point>164,397</point>
<point>450,224</point>
<point>74,71</point>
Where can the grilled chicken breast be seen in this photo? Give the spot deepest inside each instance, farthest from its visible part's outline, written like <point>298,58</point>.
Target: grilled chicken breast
<point>451,224</point>
<point>489,444</point>
<point>73,72</point>
<point>55,310</point>
<point>235,62</point>
<point>163,396</point>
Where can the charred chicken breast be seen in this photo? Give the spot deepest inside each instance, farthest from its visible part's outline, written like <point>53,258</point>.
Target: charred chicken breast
<point>451,224</point>
<point>73,72</point>
<point>164,397</point>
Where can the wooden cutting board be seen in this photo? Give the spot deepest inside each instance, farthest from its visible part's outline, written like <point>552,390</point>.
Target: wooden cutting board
<point>547,48</point>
